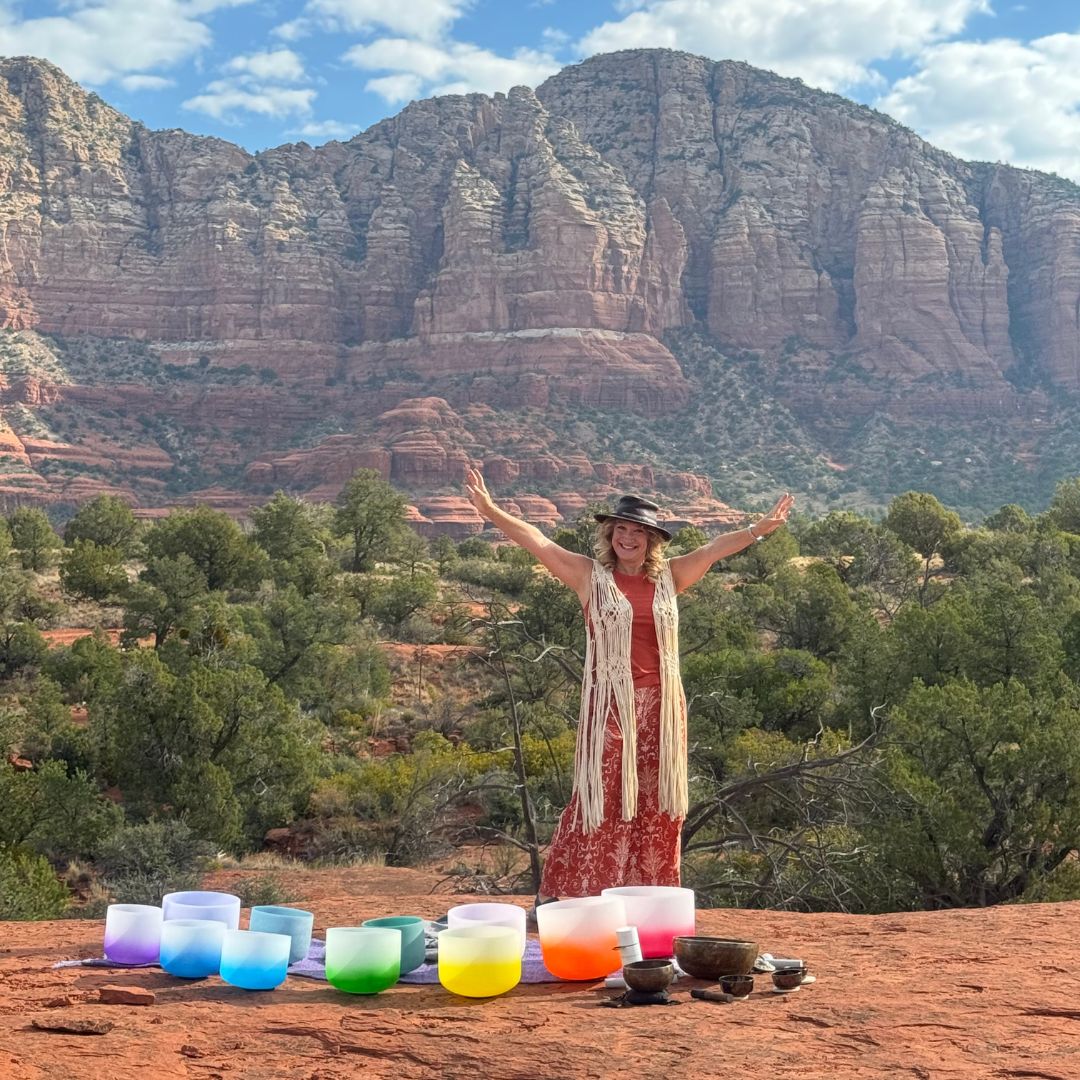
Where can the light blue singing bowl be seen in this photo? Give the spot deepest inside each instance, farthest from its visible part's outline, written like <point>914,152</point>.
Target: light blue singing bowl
<point>292,922</point>
<point>253,960</point>
<point>191,948</point>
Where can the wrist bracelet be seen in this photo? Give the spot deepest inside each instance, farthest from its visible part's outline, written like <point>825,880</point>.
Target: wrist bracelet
<point>757,539</point>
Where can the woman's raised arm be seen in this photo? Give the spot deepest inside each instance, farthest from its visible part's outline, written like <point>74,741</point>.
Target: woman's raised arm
<point>569,567</point>
<point>690,568</point>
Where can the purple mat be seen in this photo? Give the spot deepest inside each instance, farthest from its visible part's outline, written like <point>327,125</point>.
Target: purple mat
<point>532,966</point>
<point>314,967</point>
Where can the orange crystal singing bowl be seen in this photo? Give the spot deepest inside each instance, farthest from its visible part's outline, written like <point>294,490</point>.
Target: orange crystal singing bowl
<point>577,937</point>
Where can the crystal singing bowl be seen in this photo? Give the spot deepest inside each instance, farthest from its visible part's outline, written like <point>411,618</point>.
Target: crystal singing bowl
<point>479,960</point>
<point>132,933</point>
<point>191,948</point>
<point>661,913</point>
<point>490,915</point>
<point>253,960</point>
<point>219,906</point>
<point>413,945</point>
<point>577,937</point>
<point>292,922</point>
<point>363,959</point>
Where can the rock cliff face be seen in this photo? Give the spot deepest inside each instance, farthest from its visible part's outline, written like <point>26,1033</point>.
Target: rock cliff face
<point>811,218</point>
<point>525,251</point>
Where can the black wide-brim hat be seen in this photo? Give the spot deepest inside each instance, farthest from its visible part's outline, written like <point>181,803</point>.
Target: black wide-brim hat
<point>638,510</point>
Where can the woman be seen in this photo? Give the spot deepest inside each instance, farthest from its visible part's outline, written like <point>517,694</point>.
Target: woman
<point>630,767</point>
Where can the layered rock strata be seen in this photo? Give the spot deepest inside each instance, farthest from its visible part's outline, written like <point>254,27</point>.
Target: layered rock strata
<point>521,251</point>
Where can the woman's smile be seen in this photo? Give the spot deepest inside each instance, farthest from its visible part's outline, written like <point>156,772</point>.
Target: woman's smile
<point>630,542</point>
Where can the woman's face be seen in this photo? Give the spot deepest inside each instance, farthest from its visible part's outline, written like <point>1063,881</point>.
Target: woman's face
<point>630,543</point>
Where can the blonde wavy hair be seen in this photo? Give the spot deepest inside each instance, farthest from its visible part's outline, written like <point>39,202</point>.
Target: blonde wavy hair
<point>605,551</point>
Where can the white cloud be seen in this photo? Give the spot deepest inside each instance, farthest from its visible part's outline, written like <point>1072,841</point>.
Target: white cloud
<point>420,69</point>
<point>396,89</point>
<point>427,20</point>
<point>325,129</point>
<point>225,98</point>
<point>293,30</point>
<point>252,84</point>
<point>98,41</point>
<point>401,54</point>
<point>281,65</point>
<point>138,83</point>
<point>827,43</point>
<point>1000,100</point>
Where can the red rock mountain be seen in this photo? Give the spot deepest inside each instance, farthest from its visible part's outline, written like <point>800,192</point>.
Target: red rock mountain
<point>474,278</point>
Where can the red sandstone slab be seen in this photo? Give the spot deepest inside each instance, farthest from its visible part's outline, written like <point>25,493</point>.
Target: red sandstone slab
<point>963,995</point>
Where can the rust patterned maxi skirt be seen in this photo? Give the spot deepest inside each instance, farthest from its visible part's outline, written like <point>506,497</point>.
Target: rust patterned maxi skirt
<point>642,851</point>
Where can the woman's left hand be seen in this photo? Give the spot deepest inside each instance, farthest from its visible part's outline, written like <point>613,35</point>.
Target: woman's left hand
<point>776,517</point>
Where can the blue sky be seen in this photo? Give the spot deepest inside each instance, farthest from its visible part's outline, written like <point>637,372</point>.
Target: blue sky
<point>989,79</point>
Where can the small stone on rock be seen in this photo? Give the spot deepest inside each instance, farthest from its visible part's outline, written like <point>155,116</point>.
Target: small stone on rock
<point>125,995</point>
<point>75,1026</point>
<point>59,1002</point>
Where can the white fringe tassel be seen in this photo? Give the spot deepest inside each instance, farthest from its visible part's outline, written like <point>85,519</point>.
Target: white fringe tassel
<point>608,681</point>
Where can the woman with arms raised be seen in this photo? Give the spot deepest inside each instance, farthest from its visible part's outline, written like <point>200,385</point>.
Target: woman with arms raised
<point>623,821</point>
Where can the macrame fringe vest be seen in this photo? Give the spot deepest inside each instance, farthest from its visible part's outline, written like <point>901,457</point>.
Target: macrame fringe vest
<point>608,680</point>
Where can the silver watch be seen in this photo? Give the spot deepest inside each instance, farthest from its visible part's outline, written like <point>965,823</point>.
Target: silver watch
<point>757,539</point>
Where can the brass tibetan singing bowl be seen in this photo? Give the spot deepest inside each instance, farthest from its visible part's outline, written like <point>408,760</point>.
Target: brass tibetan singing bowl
<point>711,958</point>
<point>649,976</point>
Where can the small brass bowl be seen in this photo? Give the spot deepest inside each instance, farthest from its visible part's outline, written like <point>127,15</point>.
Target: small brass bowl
<point>710,957</point>
<point>788,978</point>
<point>738,986</point>
<point>649,976</point>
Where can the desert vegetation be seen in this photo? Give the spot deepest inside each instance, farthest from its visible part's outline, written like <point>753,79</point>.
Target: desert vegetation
<point>884,714</point>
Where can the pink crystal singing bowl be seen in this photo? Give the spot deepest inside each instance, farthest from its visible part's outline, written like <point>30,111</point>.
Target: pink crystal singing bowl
<point>661,913</point>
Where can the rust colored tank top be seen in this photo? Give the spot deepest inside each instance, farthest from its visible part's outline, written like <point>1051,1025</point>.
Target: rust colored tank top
<point>644,648</point>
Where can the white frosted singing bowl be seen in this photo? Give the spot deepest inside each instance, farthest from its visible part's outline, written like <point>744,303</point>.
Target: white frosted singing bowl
<point>577,937</point>
<point>219,907</point>
<point>661,913</point>
<point>489,915</point>
<point>132,933</point>
<point>479,960</point>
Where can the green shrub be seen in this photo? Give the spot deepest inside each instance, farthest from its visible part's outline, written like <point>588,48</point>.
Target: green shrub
<point>33,537</point>
<point>216,746</point>
<point>93,572</point>
<point>52,813</point>
<point>107,522</point>
<point>475,548</point>
<point>140,863</point>
<point>22,648</point>
<point>346,842</point>
<point>509,578</point>
<point>264,889</point>
<point>29,889</point>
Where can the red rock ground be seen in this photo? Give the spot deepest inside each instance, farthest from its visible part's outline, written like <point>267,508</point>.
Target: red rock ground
<point>944,995</point>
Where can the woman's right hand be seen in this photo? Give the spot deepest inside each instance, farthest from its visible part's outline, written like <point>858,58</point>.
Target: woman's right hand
<point>478,494</point>
<point>568,566</point>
